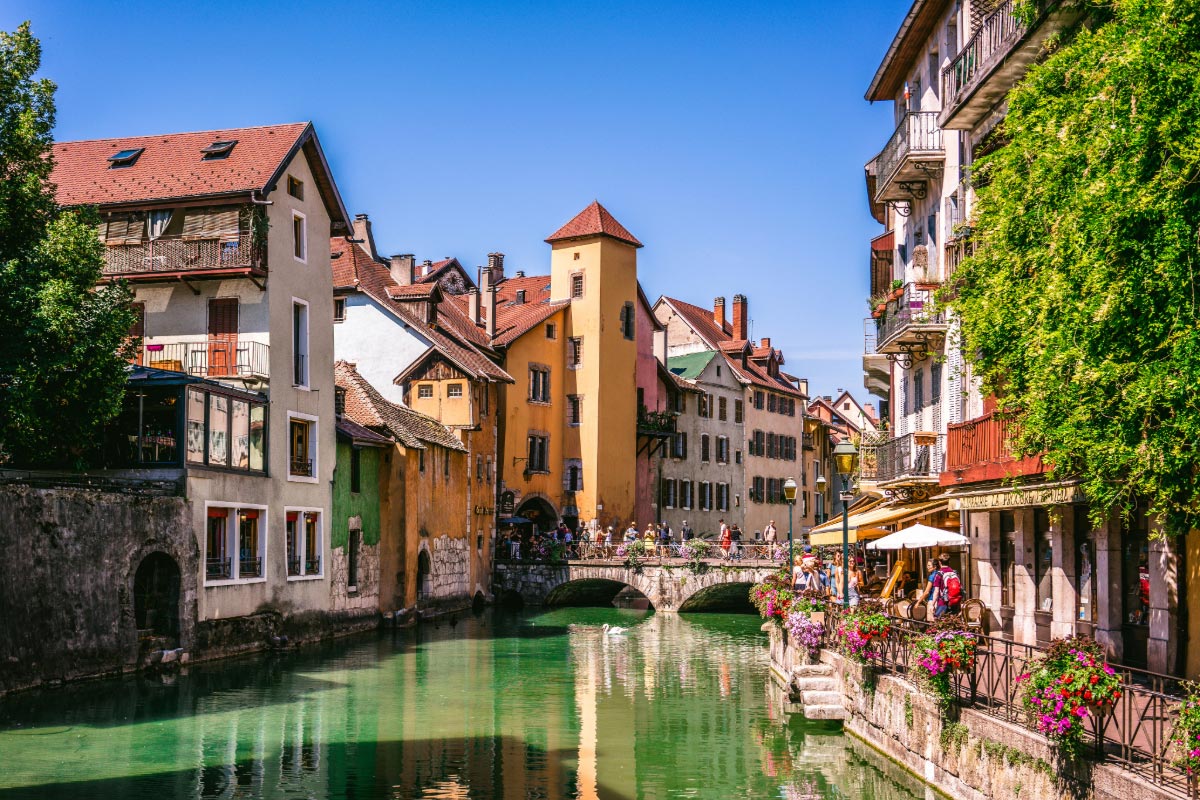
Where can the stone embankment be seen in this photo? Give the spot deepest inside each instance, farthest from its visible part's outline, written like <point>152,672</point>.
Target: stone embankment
<point>964,753</point>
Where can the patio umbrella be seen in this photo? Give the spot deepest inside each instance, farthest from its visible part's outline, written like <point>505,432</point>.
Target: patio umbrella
<point>918,536</point>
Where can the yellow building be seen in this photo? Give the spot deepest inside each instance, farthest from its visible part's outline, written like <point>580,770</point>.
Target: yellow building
<point>569,422</point>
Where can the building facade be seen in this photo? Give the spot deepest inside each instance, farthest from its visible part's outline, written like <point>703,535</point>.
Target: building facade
<point>220,236</point>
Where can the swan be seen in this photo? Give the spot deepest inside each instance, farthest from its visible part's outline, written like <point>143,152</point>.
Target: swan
<point>612,630</point>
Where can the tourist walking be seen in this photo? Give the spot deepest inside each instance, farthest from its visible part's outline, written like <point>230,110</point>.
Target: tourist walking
<point>664,539</point>
<point>687,532</point>
<point>945,589</point>
<point>770,534</point>
<point>725,540</point>
<point>735,541</point>
<point>849,583</point>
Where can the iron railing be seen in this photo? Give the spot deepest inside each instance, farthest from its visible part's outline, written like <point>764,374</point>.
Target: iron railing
<point>912,455</point>
<point>744,554</point>
<point>209,358</point>
<point>1136,734</point>
<point>250,568</point>
<point>990,44</point>
<point>173,254</point>
<point>917,134</point>
<point>914,308</point>
<point>218,569</point>
<point>301,467</point>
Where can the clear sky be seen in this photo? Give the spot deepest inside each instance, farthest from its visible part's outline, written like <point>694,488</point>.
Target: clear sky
<point>729,137</point>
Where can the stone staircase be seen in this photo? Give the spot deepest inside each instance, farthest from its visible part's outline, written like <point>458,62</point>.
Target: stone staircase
<point>817,688</point>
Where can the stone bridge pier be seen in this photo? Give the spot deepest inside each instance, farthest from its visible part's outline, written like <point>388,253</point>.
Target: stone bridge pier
<point>667,587</point>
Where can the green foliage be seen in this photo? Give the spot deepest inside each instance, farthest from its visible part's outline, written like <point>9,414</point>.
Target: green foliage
<point>62,341</point>
<point>1080,306</point>
<point>954,735</point>
<point>1186,736</point>
<point>908,711</point>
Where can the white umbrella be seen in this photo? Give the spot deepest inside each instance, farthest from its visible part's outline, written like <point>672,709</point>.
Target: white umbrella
<point>918,536</point>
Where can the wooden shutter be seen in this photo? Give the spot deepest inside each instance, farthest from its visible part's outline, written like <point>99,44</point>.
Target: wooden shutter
<point>222,335</point>
<point>210,223</point>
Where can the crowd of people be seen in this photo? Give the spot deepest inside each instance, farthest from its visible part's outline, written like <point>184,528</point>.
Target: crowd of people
<point>522,544</point>
<point>942,588</point>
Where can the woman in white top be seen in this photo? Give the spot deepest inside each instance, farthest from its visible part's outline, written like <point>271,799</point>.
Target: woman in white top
<point>854,578</point>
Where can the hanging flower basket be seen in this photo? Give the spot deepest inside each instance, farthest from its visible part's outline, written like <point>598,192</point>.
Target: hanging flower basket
<point>1065,686</point>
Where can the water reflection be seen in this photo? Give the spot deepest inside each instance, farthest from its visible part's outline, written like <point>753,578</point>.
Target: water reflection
<point>529,706</point>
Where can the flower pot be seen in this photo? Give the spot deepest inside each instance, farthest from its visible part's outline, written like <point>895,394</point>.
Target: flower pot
<point>817,616</point>
<point>897,293</point>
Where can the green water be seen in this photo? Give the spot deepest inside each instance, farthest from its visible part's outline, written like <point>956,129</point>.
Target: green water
<point>499,706</point>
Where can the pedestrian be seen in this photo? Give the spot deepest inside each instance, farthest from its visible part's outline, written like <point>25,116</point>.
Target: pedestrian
<point>931,571</point>
<point>770,534</point>
<point>631,533</point>
<point>664,539</point>
<point>688,533</point>
<point>946,589</point>
<point>650,536</point>
<point>735,541</point>
<point>848,582</point>
<point>724,539</point>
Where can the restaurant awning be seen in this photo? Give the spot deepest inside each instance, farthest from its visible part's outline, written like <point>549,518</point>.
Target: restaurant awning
<point>868,524</point>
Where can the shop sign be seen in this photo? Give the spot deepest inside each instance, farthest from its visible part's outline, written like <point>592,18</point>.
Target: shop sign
<point>1016,498</point>
<point>508,503</point>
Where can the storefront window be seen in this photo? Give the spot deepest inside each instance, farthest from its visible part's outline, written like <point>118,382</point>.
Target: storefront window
<point>1043,547</point>
<point>1008,558</point>
<point>1085,566</point>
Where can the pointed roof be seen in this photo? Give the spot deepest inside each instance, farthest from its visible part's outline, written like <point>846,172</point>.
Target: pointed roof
<point>366,406</point>
<point>593,221</point>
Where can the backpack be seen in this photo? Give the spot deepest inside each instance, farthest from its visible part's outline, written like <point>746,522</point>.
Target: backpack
<point>951,588</point>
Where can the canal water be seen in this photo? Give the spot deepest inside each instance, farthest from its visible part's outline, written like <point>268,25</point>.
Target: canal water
<point>532,705</point>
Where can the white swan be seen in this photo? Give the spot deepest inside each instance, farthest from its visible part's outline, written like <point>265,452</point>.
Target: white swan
<point>612,630</point>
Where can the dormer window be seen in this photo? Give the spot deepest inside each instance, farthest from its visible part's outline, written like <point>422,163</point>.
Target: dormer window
<point>125,158</point>
<point>218,150</point>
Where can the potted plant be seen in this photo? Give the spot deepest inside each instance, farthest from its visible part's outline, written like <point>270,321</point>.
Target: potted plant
<point>694,550</point>
<point>807,634</point>
<point>634,553</point>
<point>1065,686</point>
<point>812,602</point>
<point>938,655</point>
<point>862,626</point>
<point>773,597</point>
<point>897,289</point>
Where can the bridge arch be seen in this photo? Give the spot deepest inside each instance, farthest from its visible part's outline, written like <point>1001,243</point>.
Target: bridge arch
<point>732,597</point>
<point>587,591</point>
<point>668,588</point>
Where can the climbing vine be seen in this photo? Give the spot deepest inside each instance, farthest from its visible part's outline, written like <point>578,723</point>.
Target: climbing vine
<point>1079,307</point>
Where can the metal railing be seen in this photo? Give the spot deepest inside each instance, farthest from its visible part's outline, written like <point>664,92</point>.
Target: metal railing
<point>173,254</point>
<point>917,134</point>
<point>209,358</point>
<point>218,569</point>
<point>909,456</point>
<point>749,554</point>
<point>915,307</point>
<point>250,568</point>
<point>994,39</point>
<point>1136,734</point>
<point>301,467</point>
<point>957,250</point>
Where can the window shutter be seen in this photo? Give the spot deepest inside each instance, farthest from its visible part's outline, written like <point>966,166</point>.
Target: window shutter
<point>125,228</point>
<point>210,223</point>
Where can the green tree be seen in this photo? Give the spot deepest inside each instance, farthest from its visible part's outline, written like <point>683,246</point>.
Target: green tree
<point>1079,308</point>
<point>63,353</point>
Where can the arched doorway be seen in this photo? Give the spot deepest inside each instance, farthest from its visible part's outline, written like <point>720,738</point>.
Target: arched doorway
<point>539,512</point>
<point>156,596</point>
<point>424,576</point>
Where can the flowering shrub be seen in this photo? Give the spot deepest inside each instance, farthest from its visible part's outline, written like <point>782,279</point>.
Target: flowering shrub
<point>810,600</point>
<point>1187,731</point>
<point>1064,686</point>
<point>806,633</point>
<point>779,553</point>
<point>940,653</point>
<point>861,626</point>
<point>773,597</point>
<point>694,550</point>
<point>548,550</point>
<point>634,553</point>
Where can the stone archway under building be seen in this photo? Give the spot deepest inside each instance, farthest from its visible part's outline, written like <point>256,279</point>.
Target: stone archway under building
<point>157,585</point>
<point>539,511</point>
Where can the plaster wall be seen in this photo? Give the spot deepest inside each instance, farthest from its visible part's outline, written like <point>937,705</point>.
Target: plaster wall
<point>377,343</point>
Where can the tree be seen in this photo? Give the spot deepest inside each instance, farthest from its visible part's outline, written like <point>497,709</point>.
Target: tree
<point>1079,308</point>
<point>63,349</point>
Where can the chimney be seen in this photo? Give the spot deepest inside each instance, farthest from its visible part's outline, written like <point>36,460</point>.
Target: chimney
<point>740,317</point>
<point>766,342</point>
<point>496,266</point>
<point>473,304</point>
<point>520,298</point>
<point>520,273</point>
<point>426,267</point>
<point>401,268</point>
<point>719,312</point>
<point>362,232</point>
<point>489,305</point>
<point>870,409</point>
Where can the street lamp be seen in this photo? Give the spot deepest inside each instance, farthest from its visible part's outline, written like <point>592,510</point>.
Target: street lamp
<point>789,494</point>
<point>821,484</point>
<point>845,458</point>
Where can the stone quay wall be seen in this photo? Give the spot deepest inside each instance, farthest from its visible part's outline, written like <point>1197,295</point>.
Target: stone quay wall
<point>973,757</point>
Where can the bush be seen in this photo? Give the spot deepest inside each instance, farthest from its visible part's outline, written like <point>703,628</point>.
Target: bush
<point>1066,685</point>
<point>859,628</point>
<point>938,655</point>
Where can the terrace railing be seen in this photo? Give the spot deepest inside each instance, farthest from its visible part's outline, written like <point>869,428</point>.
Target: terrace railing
<point>174,254</point>
<point>917,133</point>
<point>209,358</point>
<point>916,456</point>
<point>992,41</point>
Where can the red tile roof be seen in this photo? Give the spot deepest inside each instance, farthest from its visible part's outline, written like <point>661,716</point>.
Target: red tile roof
<point>454,336</point>
<point>171,167</point>
<point>366,406</point>
<point>701,321</point>
<point>594,221</point>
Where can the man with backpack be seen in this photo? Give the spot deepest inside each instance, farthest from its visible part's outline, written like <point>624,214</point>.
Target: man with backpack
<point>945,589</point>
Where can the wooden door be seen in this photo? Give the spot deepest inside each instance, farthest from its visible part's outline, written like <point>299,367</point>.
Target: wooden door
<point>222,336</point>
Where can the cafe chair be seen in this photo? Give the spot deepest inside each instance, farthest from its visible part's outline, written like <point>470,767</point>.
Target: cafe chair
<point>901,608</point>
<point>975,615</point>
<point>918,611</point>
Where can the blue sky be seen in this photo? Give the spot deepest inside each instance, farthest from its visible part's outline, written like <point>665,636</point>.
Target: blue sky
<point>729,137</point>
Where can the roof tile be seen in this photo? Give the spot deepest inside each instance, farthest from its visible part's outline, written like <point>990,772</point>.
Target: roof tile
<point>594,221</point>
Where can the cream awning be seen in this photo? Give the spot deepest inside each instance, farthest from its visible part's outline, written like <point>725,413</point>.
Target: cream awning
<point>871,520</point>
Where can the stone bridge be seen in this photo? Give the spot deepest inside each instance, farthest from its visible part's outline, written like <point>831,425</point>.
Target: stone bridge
<point>668,587</point>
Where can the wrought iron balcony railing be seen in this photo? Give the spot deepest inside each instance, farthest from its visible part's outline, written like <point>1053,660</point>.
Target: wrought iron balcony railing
<point>913,314</point>
<point>300,467</point>
<point>174,254</point>
<point>217,569</point>
<point>999,31</point>
<point>913,456</point>
<point>917,137</point>
<point>209,358</point>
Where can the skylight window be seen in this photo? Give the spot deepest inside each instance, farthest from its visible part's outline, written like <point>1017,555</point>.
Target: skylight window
<point>125,158</point>
<point>218,149</point>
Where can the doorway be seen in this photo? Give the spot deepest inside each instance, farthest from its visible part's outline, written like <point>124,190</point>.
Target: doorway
<point>156,597</point>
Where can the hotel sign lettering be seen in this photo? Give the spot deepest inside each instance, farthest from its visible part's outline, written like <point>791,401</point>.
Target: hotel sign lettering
<point>1016,498</point>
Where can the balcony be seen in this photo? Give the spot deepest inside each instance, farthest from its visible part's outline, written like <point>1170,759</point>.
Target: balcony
<point>173,256</point>
<point>655,423</point>
<point>980,450</point>
<point>877,367</point>
<point>910,159</point>
<point>911,326</point>
<point>994,59</point>
<point>915,458</point>
<point>209,358</point>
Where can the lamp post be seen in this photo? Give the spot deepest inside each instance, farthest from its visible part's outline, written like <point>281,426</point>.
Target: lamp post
<point>845,457</point>
<point>823,514</point>
<point>789,494</point>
